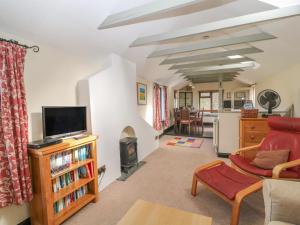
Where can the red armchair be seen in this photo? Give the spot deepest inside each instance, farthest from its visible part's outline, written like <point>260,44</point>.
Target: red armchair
<point>284,134</point>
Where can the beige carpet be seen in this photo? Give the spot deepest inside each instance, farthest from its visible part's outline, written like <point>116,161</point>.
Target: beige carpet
<point>166,179</point>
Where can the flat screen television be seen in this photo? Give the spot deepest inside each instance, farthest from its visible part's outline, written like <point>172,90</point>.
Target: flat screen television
<point>63,121</point>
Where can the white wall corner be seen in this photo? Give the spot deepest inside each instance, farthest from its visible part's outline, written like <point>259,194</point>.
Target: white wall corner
<point>111,97</point>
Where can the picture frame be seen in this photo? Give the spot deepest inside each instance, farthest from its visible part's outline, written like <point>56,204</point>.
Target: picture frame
<point>141,93</point>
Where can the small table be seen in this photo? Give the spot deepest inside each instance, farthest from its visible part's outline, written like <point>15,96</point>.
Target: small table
<point>146,213</point>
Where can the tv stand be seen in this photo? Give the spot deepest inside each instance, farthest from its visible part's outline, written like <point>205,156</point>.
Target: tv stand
<point>53,204</point>
<point>80,136</point>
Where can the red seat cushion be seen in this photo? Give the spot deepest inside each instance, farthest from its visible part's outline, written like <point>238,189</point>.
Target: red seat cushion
<point>225,180</point>
<point>245,165</point>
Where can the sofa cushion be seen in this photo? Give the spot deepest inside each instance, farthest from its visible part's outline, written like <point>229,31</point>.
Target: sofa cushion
<point>245,164</point>
<point>225,180</point>
<point>270,159</point>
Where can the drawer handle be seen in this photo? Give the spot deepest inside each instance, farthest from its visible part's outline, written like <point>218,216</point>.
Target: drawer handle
<point>252,137</point>
<point>253,127</point>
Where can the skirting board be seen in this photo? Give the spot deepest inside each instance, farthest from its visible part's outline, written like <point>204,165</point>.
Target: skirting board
<point>223,155</point>
<point>166,131</point>
<point>25,222</point>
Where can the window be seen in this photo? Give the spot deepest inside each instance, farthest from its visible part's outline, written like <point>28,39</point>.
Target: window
<point>162,103</point>
<point>209,100</point>
<point>185,99</point>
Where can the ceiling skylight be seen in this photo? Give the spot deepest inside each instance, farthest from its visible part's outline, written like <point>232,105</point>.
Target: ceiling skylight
<point>235,57</point>
<point>282,3</point>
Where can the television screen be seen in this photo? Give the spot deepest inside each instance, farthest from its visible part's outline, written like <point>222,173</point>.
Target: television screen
<point>63,121</point>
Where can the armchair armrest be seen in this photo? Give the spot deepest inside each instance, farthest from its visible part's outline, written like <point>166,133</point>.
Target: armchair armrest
<point>282,201</point>
<point>247,152</point>
<point>277,169</point>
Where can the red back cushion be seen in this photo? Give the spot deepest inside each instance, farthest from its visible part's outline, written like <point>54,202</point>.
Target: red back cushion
<point>284,134</point>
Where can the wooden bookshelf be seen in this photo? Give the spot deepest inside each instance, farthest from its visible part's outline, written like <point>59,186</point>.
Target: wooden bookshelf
<point>42,210</point>
<point>72,167</point>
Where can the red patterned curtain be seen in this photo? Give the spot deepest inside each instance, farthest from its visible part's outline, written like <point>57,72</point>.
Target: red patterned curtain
<point>167,120</point>
<point>15,181</point>
<point>156,107</point>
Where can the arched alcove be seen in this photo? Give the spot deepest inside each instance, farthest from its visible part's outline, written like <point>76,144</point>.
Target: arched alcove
<point>127,132</point>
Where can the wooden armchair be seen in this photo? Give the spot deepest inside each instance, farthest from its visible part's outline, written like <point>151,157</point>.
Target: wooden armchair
<point>284,134</point>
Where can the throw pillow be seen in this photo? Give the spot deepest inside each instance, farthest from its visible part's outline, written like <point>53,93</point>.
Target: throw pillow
<point>270,159</point>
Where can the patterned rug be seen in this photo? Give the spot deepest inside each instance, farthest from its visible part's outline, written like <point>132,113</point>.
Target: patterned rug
<point>186,142</point>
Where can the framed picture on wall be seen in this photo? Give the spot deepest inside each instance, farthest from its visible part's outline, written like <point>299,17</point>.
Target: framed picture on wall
<point>141,94</point>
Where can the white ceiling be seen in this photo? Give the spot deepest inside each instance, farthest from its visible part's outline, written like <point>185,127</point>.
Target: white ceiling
<point>72,26</point>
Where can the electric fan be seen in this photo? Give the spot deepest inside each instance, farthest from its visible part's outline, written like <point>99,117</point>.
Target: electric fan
<point>269,99</point>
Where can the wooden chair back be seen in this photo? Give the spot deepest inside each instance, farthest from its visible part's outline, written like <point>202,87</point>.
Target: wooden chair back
<point>176,115</point>
<point>185,114</point>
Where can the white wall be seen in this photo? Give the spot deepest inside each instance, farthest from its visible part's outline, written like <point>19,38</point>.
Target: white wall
<point>113,107</point>
<point>286,83</point>
<point>50,79</point>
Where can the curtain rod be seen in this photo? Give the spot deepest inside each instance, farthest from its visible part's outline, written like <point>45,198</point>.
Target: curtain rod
<point>34,48</point>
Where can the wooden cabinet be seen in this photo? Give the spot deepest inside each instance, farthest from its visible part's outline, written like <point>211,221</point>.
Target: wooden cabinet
<point>252,131</point>
<point>64,178</point>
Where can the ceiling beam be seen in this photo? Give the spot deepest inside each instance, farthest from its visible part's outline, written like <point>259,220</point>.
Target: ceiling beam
<point>220,68</point>
<point>191,72</point>
<point>213,80</point>
<point>213,44</point>
<point>211,75</point>
<point>150,9</point>
<point>220,25</point>
<point>211,56</point>
<point>157,10</point>
<point>210,78</point>
<point>210,63</point>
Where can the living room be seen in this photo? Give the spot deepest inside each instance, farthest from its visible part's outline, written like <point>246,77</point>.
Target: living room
<point>128,71</point>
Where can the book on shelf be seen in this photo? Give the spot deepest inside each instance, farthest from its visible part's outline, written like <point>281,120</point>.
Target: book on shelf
<point>61,161</point>
<point>86,171</point>
<point>73,197</point>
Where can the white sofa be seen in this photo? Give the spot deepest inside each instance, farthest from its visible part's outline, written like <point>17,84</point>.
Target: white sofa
<point>282,202</point>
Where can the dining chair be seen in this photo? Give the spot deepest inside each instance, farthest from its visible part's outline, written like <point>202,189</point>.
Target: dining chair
<point>198,121</point>
<point>176,119</point>
<point>185,119</point>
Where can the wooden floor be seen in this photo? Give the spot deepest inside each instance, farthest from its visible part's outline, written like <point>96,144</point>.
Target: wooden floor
<point>208,132</point>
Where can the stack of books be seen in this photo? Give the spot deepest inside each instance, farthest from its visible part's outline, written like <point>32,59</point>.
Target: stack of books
<point>61,161</point>
<point>86,171</point>
<point>65,180</point>
<point>66,201</point>
<point>82,153</point>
